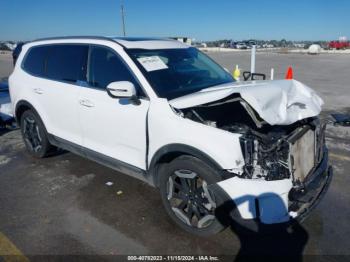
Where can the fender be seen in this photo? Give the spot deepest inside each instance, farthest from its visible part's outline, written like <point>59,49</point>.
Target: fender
<point>175,150</point>
<point>26,104</point>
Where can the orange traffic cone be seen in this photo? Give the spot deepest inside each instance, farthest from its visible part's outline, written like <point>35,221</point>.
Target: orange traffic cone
<point>289,74</point>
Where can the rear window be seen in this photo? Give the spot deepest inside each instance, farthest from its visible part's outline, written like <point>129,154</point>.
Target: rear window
<point>35,60</point>
<point>57,62</point>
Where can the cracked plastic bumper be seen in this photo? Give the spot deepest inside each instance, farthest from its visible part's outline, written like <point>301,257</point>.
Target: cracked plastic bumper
<point>273,202</point>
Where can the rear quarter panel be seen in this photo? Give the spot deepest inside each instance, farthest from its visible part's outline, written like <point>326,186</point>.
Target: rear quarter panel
<point>21,88</point>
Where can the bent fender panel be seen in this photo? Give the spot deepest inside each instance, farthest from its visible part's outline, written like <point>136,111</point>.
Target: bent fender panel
<point>181,148</point>
<point>168,128</point>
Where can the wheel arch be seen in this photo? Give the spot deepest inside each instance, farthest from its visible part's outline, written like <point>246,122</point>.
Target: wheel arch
<point>21,107</point>
<point>169,152</point>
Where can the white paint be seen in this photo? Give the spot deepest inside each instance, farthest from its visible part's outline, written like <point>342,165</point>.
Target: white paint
<point>272,197</point>
<point>121,89</point>
<point>281,102</point>
<point>166,127</point>
<point>114,126</point>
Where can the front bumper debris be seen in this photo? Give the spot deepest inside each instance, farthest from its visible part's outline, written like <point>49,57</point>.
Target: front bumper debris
<point>273,202</point>
<point>305,198</point>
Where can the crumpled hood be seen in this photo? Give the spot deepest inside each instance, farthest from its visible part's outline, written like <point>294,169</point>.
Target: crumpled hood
<point>278,102</point>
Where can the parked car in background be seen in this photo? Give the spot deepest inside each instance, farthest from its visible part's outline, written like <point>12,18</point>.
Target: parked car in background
<point>164,112</point>
<point>241,45</point>
<point>339,45</point>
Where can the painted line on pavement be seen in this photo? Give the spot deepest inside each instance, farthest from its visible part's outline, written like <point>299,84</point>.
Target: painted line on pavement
<point>9,252</point>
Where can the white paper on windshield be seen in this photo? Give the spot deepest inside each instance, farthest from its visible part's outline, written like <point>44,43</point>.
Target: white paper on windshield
<point>152,63</point>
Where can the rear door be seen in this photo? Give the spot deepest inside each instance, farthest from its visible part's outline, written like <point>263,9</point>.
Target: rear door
<point>112,127</point>
<point>65,68</point>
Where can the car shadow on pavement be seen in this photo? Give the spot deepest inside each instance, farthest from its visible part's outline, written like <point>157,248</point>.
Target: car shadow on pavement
<point>4,130</point>
<point>283,241</point>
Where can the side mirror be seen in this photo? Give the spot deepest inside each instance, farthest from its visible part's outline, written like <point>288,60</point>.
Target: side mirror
<point>121,89</point>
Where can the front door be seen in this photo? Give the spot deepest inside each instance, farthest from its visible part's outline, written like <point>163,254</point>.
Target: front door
<point>112,127</point>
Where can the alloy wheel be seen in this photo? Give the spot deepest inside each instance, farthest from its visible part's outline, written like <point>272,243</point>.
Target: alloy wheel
<point>190,199</point>
<point>31,134</point>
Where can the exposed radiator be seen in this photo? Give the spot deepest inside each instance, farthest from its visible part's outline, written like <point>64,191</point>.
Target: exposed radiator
<point>302,154</point>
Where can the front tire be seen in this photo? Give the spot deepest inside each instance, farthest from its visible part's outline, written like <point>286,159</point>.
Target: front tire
<point>35,135</point>
<point>185,195</point>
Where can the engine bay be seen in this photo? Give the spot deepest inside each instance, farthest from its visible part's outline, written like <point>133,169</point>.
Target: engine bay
<point>269,151</point>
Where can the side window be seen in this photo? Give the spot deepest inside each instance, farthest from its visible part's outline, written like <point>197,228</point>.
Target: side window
<point>34,62</point>
<point>106,67</point>
<point>67,62</point>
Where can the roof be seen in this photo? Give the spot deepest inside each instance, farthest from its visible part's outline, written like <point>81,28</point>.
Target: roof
<point>149,43</point>
<point>128,42</point>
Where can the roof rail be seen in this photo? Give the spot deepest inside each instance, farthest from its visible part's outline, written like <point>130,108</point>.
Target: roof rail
<point>75,37</point>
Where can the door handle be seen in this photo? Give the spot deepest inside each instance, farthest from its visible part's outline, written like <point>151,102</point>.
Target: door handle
<point>86,103</point>
<point>38,91</point>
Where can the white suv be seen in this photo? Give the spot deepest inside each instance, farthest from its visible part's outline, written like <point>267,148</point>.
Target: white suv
<point>164,112</point>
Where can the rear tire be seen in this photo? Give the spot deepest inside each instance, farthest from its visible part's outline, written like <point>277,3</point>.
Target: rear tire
<point>34,135</point>
<point>183,188</point>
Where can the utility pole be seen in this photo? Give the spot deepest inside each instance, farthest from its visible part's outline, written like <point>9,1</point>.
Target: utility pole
<point>123,18</point>
<point>252,59</point>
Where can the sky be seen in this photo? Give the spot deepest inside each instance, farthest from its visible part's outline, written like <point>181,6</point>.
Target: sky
<point>202,20</point>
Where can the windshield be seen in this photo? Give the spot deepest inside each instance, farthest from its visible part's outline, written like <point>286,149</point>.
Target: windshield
<point>177,72</point>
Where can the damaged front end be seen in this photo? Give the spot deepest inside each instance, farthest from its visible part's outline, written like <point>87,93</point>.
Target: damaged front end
<point>285,166</point>
<point>271,152</point>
